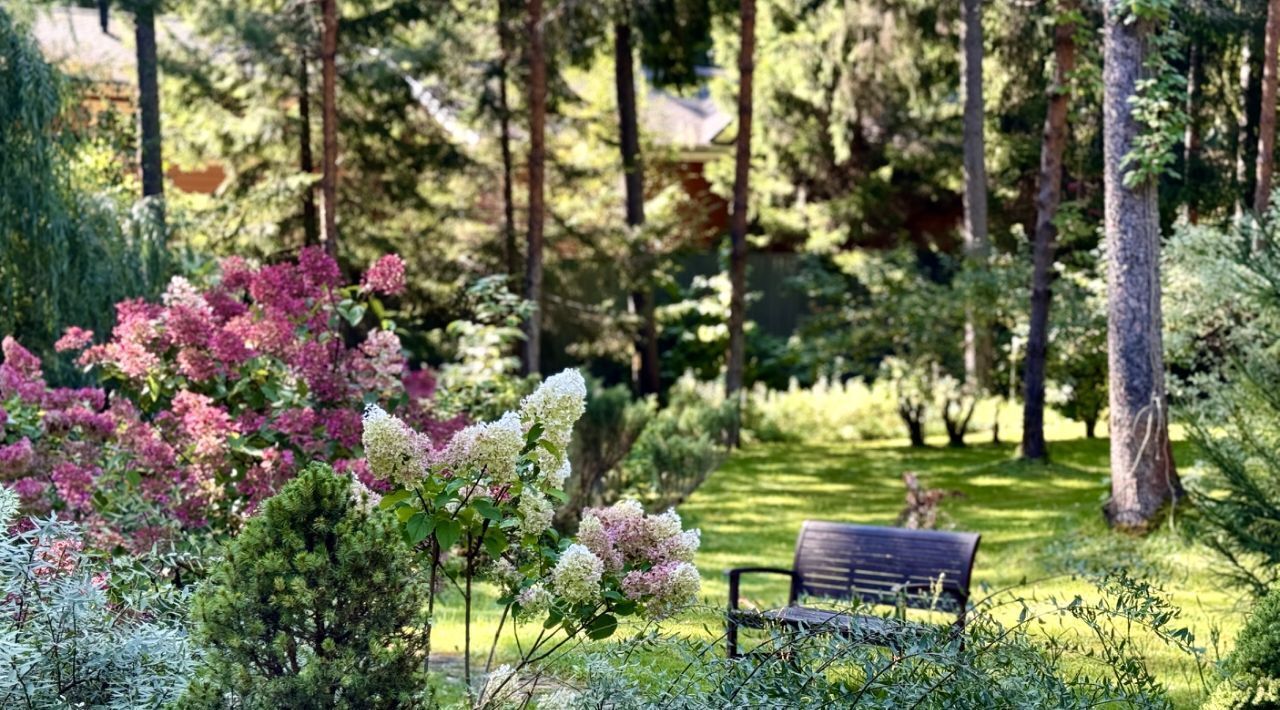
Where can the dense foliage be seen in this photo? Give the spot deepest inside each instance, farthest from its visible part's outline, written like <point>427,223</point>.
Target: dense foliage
<point>1089,660</point>
<point>1253,679</point>
<point>79,632</point>
<point>1225,339</point>
<point>70,247</point>
<point>315,604</point>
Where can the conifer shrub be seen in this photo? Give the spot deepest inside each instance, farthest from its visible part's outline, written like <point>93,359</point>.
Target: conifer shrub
<point>316,604</point>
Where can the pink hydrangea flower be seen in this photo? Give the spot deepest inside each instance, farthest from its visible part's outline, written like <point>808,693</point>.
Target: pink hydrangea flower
<point>318,269</point>
<point>73,338</point>
<point>236,273</point>
<point>206,423</point>
<point>16,458</point>
<point>385,276</point>
<point>74,484</point>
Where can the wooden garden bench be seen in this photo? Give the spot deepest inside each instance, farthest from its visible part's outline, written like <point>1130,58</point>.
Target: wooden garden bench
<point>864,564</point>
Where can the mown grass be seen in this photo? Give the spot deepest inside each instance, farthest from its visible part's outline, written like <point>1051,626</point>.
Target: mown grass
<point>1036,521</point>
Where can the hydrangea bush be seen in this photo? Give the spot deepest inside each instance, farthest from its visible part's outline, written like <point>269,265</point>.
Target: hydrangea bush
<point>481,504</point>
<point>218,396</point>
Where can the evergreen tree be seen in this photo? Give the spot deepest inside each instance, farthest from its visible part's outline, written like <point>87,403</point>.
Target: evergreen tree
<point>315,605</point>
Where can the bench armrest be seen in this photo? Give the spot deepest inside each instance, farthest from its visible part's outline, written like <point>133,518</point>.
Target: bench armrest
<point>736,573</point>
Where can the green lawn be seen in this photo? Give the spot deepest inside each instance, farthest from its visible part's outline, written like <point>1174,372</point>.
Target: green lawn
<point>1034,520</point>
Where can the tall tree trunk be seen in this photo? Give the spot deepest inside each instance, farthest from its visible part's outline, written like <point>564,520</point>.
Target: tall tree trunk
<point>1192,139</point>
<point>329,123</point>
<point>1047,199</point>
<point>511,249</point>
<point>104,13</point>
<point>537,166</point>
<point>1142,473</point>
<point>738,224</point>
<point>646,374</point>
<point>149,142</point>
<point>306,161</point>
<point>978,347</point>
<point>1247,123</point>
<point>1267,111</point>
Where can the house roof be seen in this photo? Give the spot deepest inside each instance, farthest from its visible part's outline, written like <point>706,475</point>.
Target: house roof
<point>72,38</point>
<point>684,122</point>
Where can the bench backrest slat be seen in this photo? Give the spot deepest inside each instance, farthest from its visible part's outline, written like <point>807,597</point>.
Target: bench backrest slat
<point>872,564</point>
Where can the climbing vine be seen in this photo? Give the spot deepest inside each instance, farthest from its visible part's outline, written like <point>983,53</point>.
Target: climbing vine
<point>1159,98</point>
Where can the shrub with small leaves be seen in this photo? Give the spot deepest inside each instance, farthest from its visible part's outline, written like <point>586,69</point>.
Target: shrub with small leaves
<point>75,633</point>
<point>315,605</point>
<point>1254,664</point>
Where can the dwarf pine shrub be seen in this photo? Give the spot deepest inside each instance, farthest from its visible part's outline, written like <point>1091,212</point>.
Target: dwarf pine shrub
<point>315,605</point>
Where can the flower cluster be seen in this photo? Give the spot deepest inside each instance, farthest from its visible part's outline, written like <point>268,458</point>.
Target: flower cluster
<point>651,555</point>
<point>518,461</point>
<point>219,395</point>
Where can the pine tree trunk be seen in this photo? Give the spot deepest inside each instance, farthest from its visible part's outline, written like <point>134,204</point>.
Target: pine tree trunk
<point>1047,200</point>
<point>537,166</point>
<point>329,121</point>
<point>1267,111</point>
<point>646,373</point>
<point>510,247</point>
<point>738,225</point>
<point>1192,140</point>
<point>1247,122</point>
<point>306,160</point>
<point>149,137</point>
<point>1142,473</point>
<point>978,347</point>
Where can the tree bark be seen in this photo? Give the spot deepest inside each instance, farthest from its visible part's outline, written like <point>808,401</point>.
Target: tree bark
<point>1192,139</point>
<point>1267,112</point>
<point>1142,474</point>
<point>306,160</point>
<point>329,121</point>
<point>511,249</point>
<point>646,373</point>
<point>734,374</point>
<point>149,136</point>
<point>537,166</point>
<point>1247,124</point>
<point>1047,199</point>
<point>978,347</point>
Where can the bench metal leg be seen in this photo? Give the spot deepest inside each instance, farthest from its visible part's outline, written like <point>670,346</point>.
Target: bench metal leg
<point>731,637</point>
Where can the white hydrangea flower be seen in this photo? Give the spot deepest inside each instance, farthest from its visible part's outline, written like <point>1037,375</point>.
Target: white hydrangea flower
<point>362,497</point>
<point>458,452</point>
<point>557,403</point>
<point>535,600</point>
<point>666,525</point>
<point>394,450</point>
<point>536,512</point>
<point>684,546</point>
<point>555,478</point>
<point>627,509</point>
<point>576,577</point>
<point>505,574</point>
<point>495,447</point>
<point>679,592</point>
<point>180,292</point>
